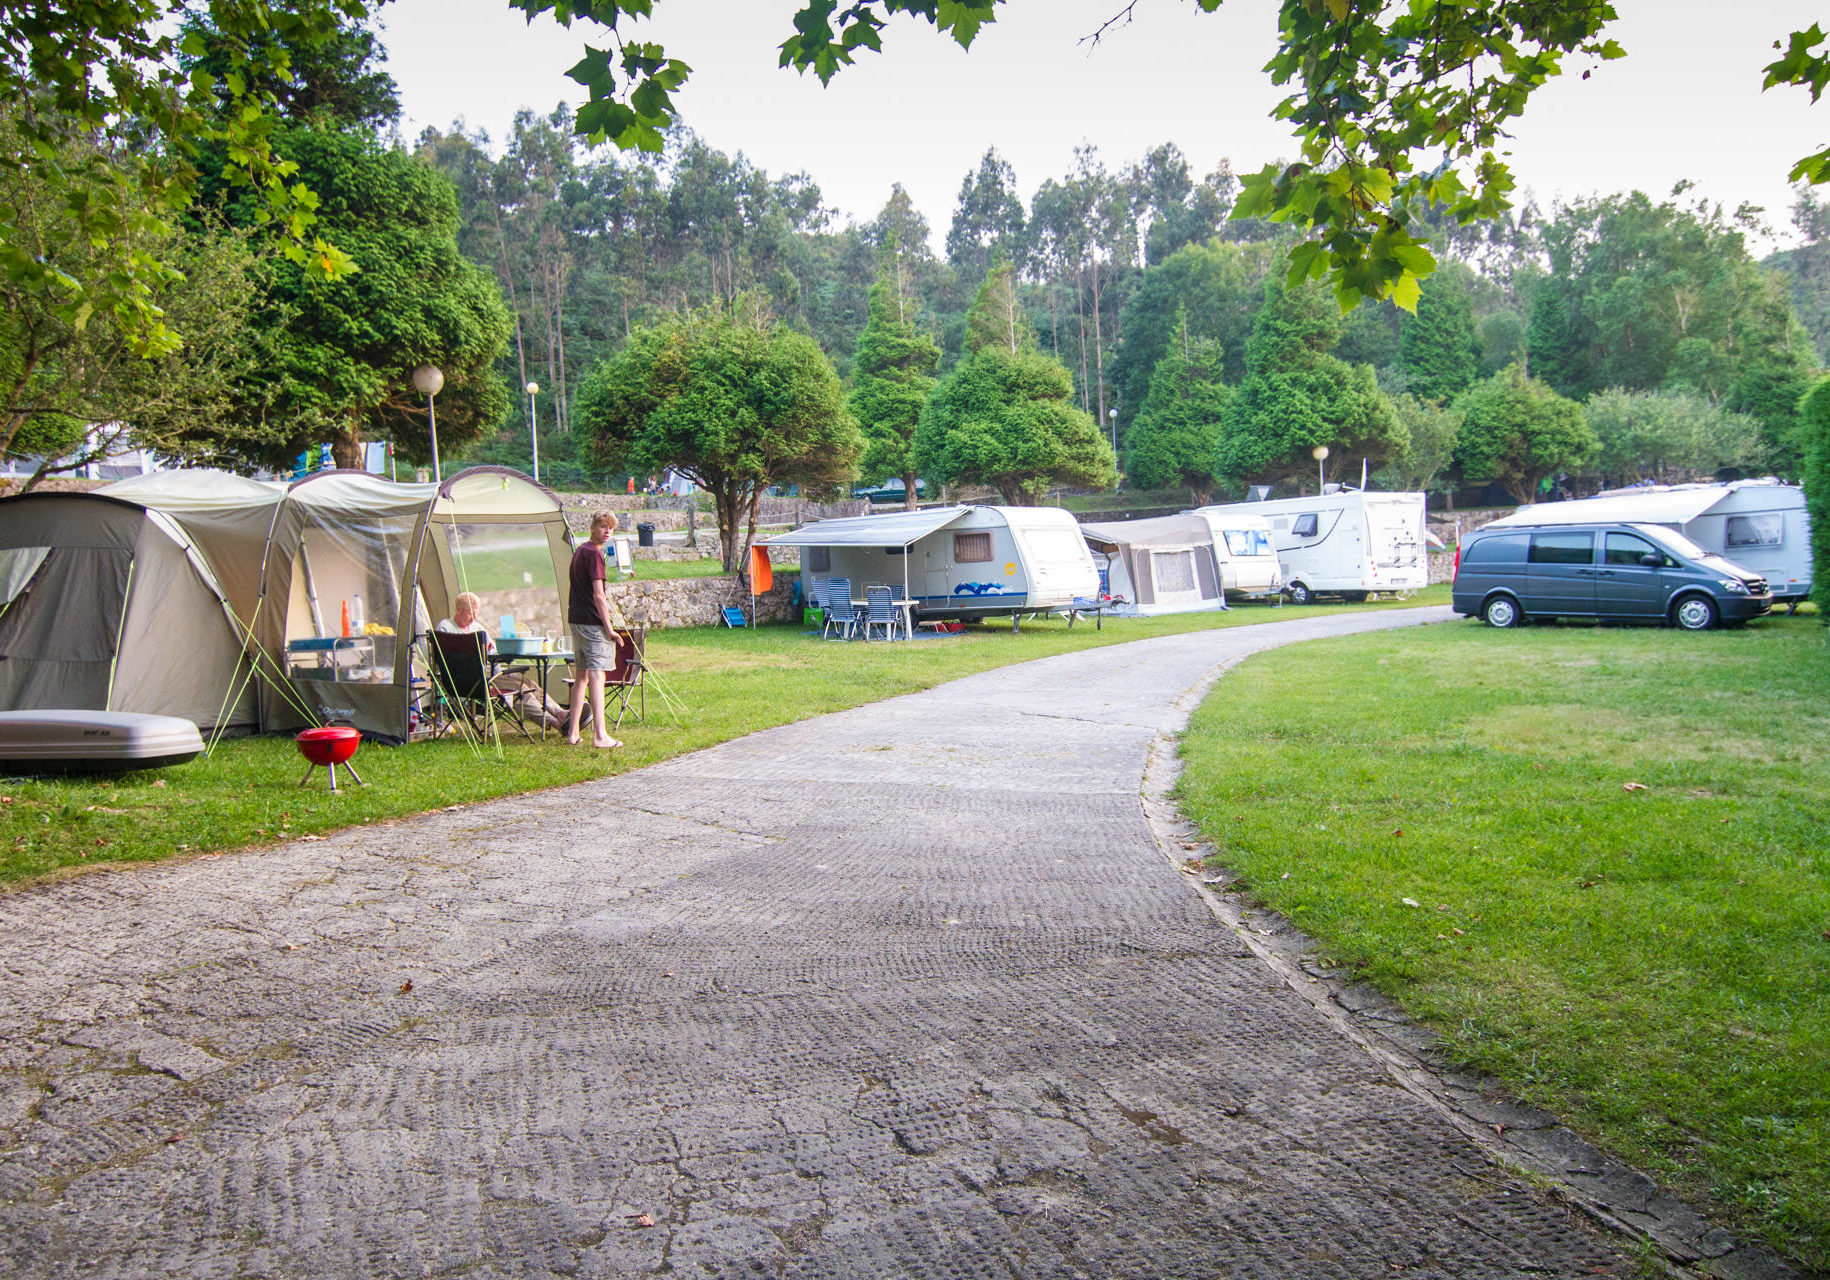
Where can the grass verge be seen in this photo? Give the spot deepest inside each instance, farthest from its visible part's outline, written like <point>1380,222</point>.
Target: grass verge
<point>1595,860</point>
<point>730,683</point>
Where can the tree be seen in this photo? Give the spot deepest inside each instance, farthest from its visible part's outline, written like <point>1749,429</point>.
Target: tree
<point>1437,347</point>
<point>1669,436</point>
<point>892,376</point>
<point>1430,430</point>
<point>730,398</point>
<point>988,224</point>
<point>1517,433</point>
<point>1173,437</point>
<point>72,393</point>
<point>1296,396</point>
<point>1815,415</point>
<point>337,362</point>
<point>1219,285</point>
<point>108,76</point>
<point>1003,417</point>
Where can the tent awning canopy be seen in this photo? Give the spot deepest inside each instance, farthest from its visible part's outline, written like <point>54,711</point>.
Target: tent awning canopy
<point>897,529</point>
<point>1670,506</point>
<point>1160,531</point>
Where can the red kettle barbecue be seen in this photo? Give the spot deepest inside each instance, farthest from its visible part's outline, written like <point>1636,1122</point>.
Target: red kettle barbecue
<point>330,746</point>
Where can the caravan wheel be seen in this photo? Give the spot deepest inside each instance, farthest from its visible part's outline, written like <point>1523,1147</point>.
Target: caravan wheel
<point>1300,593</point>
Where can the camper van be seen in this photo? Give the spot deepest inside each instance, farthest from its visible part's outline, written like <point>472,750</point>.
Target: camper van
<point>956,563</point>
<point>1245,551</point>
<point>1758,523</point>
<point>1344,542</point>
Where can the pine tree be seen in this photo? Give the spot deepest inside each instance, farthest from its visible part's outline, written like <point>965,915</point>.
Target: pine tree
<point>1172,440</point>
<point>892,377</point>
<point>1437,348</point>
<point>1295,396</point>
<point>1004,418</point>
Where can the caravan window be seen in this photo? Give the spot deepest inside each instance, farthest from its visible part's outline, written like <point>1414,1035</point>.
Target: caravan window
<point>971,548</point>
<point>1249,542</point>
<point>1764,530</point>
<point>1055,546</point>
<point>819,559</point>
<point>1306,525</point>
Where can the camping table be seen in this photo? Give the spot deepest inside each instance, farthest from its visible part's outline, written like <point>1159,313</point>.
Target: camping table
<point>862,608</point>
<point>542,663</point>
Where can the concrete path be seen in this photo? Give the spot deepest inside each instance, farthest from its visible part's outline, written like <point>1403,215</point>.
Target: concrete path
<point>912,991</point>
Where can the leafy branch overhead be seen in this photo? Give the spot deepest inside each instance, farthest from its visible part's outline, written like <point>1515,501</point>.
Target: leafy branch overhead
<point>1398,108</point>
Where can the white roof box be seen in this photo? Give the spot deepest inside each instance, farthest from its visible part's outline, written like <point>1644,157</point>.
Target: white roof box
<point>95,740</point>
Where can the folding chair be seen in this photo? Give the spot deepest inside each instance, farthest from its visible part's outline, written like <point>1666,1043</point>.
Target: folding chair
<point>460,670</point>
<point>840,612</point>
<point>880,612</point>
<point>624,682</point>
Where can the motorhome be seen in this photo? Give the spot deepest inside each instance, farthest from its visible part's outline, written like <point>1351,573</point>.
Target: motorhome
<point>955,563</point>
<point>1343,542</point>
<point>1761,524</point>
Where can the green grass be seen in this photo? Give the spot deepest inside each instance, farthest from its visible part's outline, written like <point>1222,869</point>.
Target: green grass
<point>731,682</point>
<point>1653,964</point>
<point>676,569</point>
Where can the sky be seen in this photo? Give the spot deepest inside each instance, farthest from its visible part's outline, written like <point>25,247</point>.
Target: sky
<point>1685,104</point>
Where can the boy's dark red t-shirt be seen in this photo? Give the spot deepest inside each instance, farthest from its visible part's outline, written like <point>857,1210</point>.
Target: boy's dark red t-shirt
<point>587,570</point>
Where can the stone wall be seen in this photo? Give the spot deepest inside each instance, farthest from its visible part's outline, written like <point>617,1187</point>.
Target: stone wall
<point>698,602</point>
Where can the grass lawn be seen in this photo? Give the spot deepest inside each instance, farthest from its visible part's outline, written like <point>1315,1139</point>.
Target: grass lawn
<point>731,682</point>
<point>1615,847</point>
<point>675,569</point>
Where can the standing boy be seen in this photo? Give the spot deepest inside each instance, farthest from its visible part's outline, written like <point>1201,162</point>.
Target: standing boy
<point>594,621</point>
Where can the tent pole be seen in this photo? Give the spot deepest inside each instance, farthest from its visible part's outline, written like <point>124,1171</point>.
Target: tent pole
<point>120,630</point>
<point>311,590</point>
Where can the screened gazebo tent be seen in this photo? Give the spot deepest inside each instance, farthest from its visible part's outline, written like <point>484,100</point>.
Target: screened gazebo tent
<point>294,558</point>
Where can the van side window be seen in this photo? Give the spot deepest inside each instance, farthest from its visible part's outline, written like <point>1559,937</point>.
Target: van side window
<point>1627,548</point>
<point>1764,530</point>
<point>1562,548</point>
<point>971,548</point>
<point>1305,525</point>
<point>1495,548</point>
<point>819,559</point>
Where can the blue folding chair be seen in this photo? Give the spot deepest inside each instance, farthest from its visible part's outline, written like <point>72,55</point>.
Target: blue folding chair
<point>840,612</point>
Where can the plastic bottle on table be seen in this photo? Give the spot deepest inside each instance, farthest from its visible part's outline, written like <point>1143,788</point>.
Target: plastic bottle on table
<point>346,619</point>
<point>356,618</point>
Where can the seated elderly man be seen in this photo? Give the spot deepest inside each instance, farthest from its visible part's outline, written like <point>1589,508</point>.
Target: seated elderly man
<point>464,620</point>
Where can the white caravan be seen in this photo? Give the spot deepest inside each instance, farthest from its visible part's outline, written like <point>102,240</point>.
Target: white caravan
<point>1246,552</point>
<point>1757,523</point>
<point>1344,542</point>
<point>956,563</point>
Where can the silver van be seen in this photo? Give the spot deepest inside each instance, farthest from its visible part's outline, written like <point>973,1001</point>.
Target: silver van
<point>1617,571</point>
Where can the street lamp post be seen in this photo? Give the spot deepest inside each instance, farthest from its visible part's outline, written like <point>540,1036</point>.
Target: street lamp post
<point>533,423</point>
<point>1112,417</point>
<point>429,380</point>
<point>1320,454</point>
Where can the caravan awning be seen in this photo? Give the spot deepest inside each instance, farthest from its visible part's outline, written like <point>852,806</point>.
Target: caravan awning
<point>1655,506</point>
<point>897,529</point>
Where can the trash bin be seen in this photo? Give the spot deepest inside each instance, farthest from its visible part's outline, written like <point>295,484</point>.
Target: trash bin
<point>644,535</point>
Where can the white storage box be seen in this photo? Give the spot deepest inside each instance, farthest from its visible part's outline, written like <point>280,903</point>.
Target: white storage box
<point>94,740</point>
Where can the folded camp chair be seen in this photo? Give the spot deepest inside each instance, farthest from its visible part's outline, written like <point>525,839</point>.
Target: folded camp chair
<point>839,610</point>
<point>460,670</point>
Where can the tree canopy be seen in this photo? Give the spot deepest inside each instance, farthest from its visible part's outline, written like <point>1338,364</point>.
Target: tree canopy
<point>1517,433</point>
<point>892,376</point>
<point>1003,417</point>
<point>1172,440</point>
<point>730,398</point>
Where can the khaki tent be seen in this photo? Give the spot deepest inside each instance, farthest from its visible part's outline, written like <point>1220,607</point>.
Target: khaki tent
<point>280,566</point>
<point>110,605</point>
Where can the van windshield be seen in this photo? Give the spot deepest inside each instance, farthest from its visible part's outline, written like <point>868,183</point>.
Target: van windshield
<point>1673,541</point>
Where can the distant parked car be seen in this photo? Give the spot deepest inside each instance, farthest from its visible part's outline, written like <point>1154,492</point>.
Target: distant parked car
<point>1605,569</point>
<point>889,491</point>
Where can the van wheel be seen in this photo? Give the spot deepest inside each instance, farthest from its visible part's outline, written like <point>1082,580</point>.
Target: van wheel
<point>1300,593</point>
<point>1695,613</point>
<point>1502,611</point>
